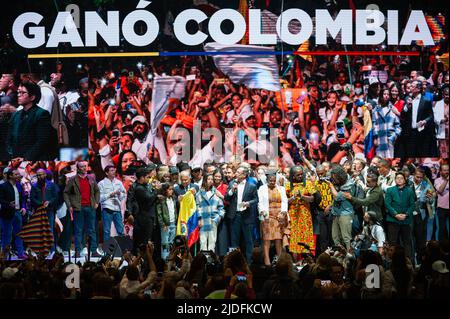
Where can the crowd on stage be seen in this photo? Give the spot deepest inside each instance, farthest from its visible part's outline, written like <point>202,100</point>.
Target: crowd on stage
<point>302,232</point>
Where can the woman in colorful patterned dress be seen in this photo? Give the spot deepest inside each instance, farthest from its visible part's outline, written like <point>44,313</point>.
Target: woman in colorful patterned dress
<point>300,194</point>
<point>272,207</point>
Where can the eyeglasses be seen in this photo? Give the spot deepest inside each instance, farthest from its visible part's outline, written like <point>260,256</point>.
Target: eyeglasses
<point>21,92</point>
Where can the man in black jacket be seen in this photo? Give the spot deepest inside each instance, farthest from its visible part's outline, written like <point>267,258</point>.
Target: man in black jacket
<point>422,141</point>
<point>12,208</point>
<point>242,197</point>
<point>144,217</point>
<point>30,132</point>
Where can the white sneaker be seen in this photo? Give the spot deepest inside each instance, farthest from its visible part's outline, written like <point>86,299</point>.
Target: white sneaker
<point>84,252</point>
<point>65,253</point>
<point>100,251</point>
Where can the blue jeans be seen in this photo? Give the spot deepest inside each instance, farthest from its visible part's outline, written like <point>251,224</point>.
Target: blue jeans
<point>85,218</point>
<point>431,230</point>
<point>10,228</point>
<point>357,224</point>
<point>109,217</point>
<point>238,226</point>
<point>167,237</point>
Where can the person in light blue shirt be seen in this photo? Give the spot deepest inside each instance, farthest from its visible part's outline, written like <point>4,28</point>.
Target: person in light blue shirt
<point>342,209</point>
<point>210,210</point>
<point>112,195</point>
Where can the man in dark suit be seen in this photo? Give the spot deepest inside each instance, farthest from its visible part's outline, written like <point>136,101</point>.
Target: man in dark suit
<point>242,197</point>
<point>185,185</point>
<point>12,208</point>
<point>422,140</point>
<point>31,135</point>
<point>144,217</point>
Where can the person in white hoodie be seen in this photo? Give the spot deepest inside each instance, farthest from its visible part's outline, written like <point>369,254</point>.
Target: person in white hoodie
<point>273,208</point>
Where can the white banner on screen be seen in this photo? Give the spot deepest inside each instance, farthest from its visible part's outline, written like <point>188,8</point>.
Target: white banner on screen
<point>256,72</point>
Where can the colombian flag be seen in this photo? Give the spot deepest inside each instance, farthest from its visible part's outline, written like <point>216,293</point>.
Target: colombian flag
<point>369,147</point>
<point>188,219</point>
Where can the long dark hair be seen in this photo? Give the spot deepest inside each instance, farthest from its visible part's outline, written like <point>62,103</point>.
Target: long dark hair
<point>381,101</point>
<point>205,179</point>
<point>164,188</point>
<point>400,271</point>
<point>119,162</point>
<point>372,92</point>
<point>197,270</point>
<point>219,171</point>
<point>400,92</point>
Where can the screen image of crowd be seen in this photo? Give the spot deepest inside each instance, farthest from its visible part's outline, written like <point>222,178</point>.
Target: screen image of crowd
<point>212,189</point>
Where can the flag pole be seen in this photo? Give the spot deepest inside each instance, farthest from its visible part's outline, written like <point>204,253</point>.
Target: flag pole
<point>348,67</point>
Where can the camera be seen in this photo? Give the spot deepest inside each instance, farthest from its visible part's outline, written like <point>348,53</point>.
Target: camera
<point>178,241</point>
<point>346,147</point>
<point>179,244</point>
<point>207,254</point>
<point>325,282</point>
<point>292,115</point>
<point>297,129</point>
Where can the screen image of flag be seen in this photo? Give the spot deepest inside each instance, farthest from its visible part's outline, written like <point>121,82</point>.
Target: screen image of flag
<point>255,71</point>
<point>369,146</point>
<point>164,89</point>
<point>188,219</point>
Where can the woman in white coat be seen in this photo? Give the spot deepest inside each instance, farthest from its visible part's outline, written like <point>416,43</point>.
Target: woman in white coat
<point>272,207</point>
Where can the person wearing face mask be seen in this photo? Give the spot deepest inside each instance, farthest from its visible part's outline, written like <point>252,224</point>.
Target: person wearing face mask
<point>358,90</point>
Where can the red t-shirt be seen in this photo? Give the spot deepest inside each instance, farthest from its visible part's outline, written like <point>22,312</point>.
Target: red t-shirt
<point>85,189</point>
